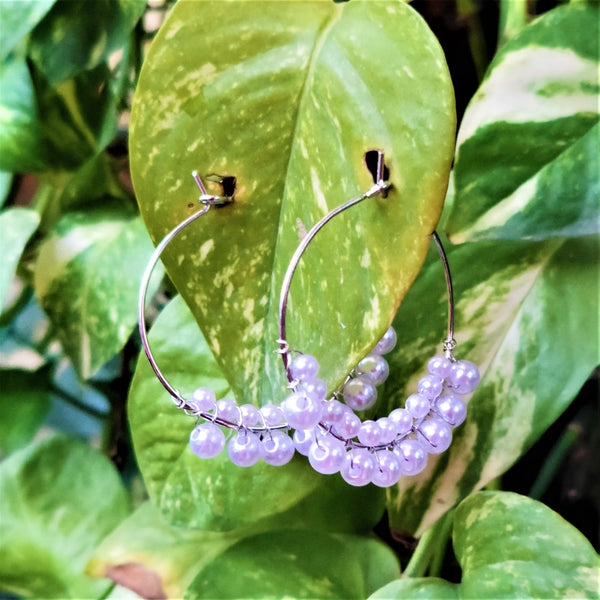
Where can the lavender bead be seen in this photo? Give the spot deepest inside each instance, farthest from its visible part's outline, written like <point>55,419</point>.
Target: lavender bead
<point>250,415</point>
<point>451,408</point>
<point>207,440</point>
<point>417,405</point>
<point>412,455</point>
<point>327,455</point>
<point>271,415</point>
<point>203,400</point>
<point>439,366</point>
<point>375,367</point>
<point>463,377</point>
<point>430,386</point>
<point>386,343</point>
<point>435,435</point>
<point>388,430</point>
<point>244,449</point>
<point>304,367</point>
<point>359,466</point>
<point>333,411</point>
<point>301,411</point>
<point>303,440</point>
<point>402,419</point>
<point>348,426</point>
<point>277,448</point>
<point>360,393</point>
<point>387,469</point>
<point>369,433</point>
<point>228,410</point>
<point>316,388</point>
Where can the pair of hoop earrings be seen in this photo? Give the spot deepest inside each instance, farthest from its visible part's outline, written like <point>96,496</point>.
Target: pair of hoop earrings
<point>328,430</point>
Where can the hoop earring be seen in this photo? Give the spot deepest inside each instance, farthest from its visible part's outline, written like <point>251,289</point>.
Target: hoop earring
<point>328,431</point>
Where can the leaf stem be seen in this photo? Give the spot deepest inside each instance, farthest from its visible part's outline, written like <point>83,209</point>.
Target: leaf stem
<point>77,403</point>
<point>420,560</point>
<point>467,13</point>
<point>513,17</point>
<point>439,553</point>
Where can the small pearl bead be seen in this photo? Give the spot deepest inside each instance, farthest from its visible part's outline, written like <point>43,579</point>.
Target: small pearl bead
<point>439,366</point>
<point>430,386</point>
<point>348,426</point>
<point>375,367</point>
<point>303,440</point>
<point>369,433</point>
<point>464,377</point>
<point>412,455</point>
<point>301,411</point>
<point>207,440</point>
<point>451,408</point>
<point>387,469</point>
<point>250,415</point>
<point>316,388</point>
<point>418,406</point>
<point>333,411</point>
<point>304,367</point>
<point>244,449</point>
<point>435,435</point>
<point>388,430</point>
<point>227,409</point>
<point>360,393</point>
<point>359,466</point>
<point>402,419</point>
<point>277,448</point>
<point>203,400</point>
<point>386,343</point>
<point>327,455</point>
<point>272,415</point>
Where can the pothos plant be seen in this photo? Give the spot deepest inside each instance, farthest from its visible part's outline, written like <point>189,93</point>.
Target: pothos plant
<point>286,96</point>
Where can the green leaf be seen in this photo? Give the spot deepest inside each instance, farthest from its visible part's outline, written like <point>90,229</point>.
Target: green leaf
<point>87,278</point>
<point>17,225</point>
<point>509,546</point>
<point>6,180</point>
<point>59,498</point>
<point>297,564</point>
<point>76,37</point>
<point>17,19</point>
<point>288,99</point>
<point>24,403</point>
<point>527,161</point>
<point>215,494</point>
<point>534,354</point>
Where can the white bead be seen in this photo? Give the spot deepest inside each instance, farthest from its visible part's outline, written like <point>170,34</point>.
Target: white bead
<point>303,440</point>
<point>412,455</point>
<point>387,469</point>
<point>316,388</point>
<point>272,415</point>
<point>451,408</point>
<point>430,386</point>
<point>207,440</point>
<point>417,405</point>
<point>375,367</point>
<point>250,415</point>
<point>388,430</point>
<point>464,377</point>
<point>435,435</point>
<point>301,411</point>
<point>227,409</point>
<point>402,419</point>
<point>360,393</point>
<point>333,411</point>
<point>277,448</point>
<point>348,425</point>
<point>439,366</point>
<point>386,343</point>
<point>244,449</point>
<point>304,367</point>
<point>203,399</point>
<point>327,455</point>
<point>359,466</point>
<point>369,433</point>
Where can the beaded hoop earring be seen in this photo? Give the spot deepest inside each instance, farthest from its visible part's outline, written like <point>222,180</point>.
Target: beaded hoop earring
<point>328,431</point>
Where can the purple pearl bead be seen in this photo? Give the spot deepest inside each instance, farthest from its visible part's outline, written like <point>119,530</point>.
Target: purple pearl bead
<point>412,455</point>
<point>316,388</point>
<point>333,411</point>
<point>430,386</point>
<point>359,466</point>
<point>375,367</point>
<point>402,419</point>
<point>348,426</point>
<point>203,400</point>
<point>464,377</point>
<point>304,367</point>
<point>360,393</point>
<point>369,433</point>
<point>228,410</point>
<point>439,366</point>
<point>277,448</point>
<point>327,455</point>
<point>272,415</point>
<point>303,440</point>
<point>387,469</point>
<point>451,408</point>
<point>301,411</point>
<point>388,430</point>
<point>435,435</point>
<point>207,440</point>
<point>250,415</point>
<point>244,449</point>
<point>386,343</point>
<point>417,405</point>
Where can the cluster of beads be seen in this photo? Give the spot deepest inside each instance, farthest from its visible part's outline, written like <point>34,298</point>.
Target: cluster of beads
<point>329,432</point>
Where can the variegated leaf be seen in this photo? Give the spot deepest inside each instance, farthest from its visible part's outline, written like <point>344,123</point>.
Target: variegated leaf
<point>287,97</point>
<point>527,156</point>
